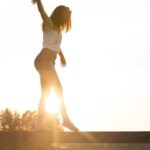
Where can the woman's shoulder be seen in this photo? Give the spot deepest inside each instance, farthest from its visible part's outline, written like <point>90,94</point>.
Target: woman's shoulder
<point>47,26</point>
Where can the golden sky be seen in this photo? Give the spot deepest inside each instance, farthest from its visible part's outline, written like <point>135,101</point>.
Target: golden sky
<point>107,78</point>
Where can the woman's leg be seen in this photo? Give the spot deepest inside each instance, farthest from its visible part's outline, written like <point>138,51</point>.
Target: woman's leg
<point>59,91</point>
<point>45,89</point>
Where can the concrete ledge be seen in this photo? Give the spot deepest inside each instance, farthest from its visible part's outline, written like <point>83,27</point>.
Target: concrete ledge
<point>75,137</point>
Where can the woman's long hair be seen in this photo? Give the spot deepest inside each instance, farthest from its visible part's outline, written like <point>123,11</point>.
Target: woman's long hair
<point>61,18</point>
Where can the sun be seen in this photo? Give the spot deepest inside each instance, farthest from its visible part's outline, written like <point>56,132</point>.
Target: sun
<point>52,104</point>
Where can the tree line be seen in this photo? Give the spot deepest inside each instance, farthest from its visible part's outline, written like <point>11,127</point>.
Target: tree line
<point>14,121</point>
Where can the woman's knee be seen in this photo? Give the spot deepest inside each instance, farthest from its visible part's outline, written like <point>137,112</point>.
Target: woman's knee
<point>59,91</point>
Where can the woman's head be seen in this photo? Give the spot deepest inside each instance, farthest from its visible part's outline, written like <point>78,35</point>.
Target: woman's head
<point>61,17</point>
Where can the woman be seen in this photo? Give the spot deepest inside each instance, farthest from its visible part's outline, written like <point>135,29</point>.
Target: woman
<point>60,20</point>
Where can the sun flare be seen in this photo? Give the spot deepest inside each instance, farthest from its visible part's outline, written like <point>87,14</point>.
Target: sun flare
<point>52,104</point>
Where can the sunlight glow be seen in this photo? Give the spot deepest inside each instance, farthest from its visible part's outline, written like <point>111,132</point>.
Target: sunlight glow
<point>52,104</point>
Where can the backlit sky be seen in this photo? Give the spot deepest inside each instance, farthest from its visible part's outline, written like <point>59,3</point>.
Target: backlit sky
<point>107,79</point>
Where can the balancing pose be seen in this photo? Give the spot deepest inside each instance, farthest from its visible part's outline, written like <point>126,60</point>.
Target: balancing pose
<point>60,20</point>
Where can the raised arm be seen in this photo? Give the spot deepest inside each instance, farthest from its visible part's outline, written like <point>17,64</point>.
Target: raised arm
<point>44,16</point>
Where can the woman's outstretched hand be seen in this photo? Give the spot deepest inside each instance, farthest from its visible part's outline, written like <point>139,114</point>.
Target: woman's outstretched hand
<point>62,59</point>
<point>34,1</point>
<point>63,62</point>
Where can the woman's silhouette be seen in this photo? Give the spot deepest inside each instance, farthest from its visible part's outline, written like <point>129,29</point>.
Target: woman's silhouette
<point>60,20</point>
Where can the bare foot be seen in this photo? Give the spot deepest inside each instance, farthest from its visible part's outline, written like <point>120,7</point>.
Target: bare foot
<point>68,124</point>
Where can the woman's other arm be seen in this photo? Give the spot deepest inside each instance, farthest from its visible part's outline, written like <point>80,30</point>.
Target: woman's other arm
<point>62,59</point>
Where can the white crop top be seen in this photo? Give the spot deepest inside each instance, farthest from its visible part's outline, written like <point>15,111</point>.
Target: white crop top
<point>52,40</point>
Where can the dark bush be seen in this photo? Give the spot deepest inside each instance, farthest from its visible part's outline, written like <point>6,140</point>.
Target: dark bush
<point>10,121</point>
